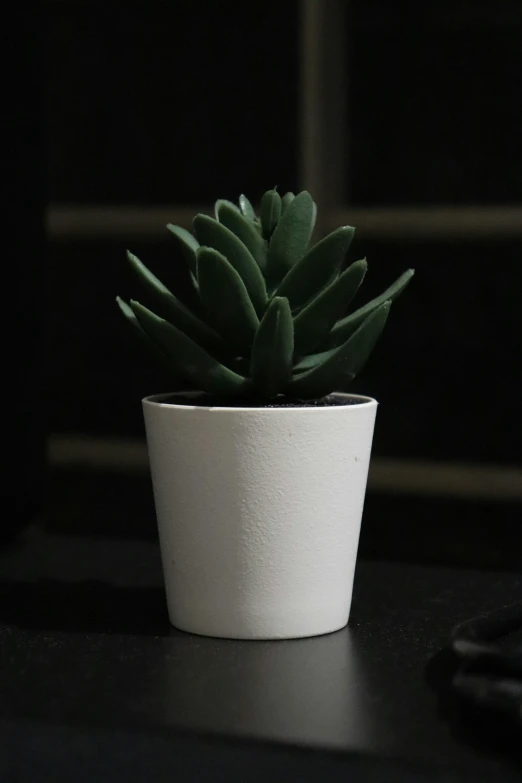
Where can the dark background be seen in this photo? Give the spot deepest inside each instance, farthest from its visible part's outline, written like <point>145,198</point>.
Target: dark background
<point>180,103</point>
<point>149,111</point>
<point>403,118</point>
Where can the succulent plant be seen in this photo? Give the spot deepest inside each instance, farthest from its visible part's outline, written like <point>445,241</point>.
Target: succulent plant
<point>265,311</point>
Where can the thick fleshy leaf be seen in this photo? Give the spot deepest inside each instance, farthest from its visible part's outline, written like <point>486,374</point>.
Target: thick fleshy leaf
<point>169,307</point>
<point>222,202</point>
<point>188,359</point>
<point>315,321</point>
<point>286,200</point>
<point>273,349</point>
<point>213,234</point>
<point>155,351</point>
<point>343,364</point>
<point>346,326</point>
<point>312,360</point>
<point>187,243</point>
<point>315,270</point>
<point>270,212</point>
<point>244,229</point>
<point>289,242</point>
<point>314,217</point>
<point>246,208</point>
<point>225,299</point>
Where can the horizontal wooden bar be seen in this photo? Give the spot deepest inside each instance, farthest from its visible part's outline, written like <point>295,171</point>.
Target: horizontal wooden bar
<point>464,223</point>
<point>434,223</point>
<point>401,476</point>
<point>447,479</point>
<point>84,223</point>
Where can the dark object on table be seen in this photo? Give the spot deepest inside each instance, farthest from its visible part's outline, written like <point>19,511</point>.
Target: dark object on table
<point>489,649</point>
<point>477,677</point>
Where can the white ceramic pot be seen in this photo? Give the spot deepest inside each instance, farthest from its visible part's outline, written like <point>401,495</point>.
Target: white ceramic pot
<point>259,512</point>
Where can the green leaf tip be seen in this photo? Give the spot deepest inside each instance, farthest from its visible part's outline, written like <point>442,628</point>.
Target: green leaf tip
<point>187,244</point>
<point>286,200</point>
<point>225,299</point>
<point>317,267</point>
<point>270,212</point>
<point>124,306</point>
<point>347,325</point>
<point>246,208</point>
<point>215,235</point>
<point>188,359</point>
<point>291,236</point>
<point>231,217</point>
<point>223,202</point>
<point>171,308</point>
<point>314,322</point>
<point>341,365</point>
<point>152,349</point>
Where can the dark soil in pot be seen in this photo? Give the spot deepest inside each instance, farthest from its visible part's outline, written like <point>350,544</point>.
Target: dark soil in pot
<point>209,401</point>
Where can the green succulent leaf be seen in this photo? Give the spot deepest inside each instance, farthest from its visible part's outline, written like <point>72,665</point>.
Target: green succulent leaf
<point>312,360</point>
<point>225,299</point>
<point>187,246</point>
<point>246,208</point>
<point>343,364</point>
<point>172,309</point>
<point>315,321</point>
<point>217,236</point>
<point>345,327</point>
<point>189,360</point>
<point>157,353</point>
<point>230,216</point>
<point>223,202</point>
<point>187,243</point>
<point>315,270</point>
<point>273,349</point>
<point>289,242</point>
<point>286,200</point>
<point>314,217</point>
<point>270,212</point>
<point>260,307</point>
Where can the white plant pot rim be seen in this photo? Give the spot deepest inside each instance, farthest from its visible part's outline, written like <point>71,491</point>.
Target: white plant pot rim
<point>157,400</point>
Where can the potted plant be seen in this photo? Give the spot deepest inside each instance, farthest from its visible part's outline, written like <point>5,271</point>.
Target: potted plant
<point>259,474</point>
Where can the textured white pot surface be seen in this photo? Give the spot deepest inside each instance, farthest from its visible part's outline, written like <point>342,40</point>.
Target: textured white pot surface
<point>259,512</point>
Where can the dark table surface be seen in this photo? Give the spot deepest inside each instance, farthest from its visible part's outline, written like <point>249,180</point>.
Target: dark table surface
<point>95,684</point>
